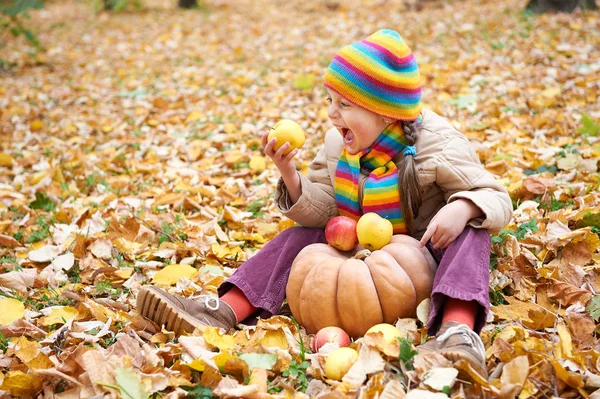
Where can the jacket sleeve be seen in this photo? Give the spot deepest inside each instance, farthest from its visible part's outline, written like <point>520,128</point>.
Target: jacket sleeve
<point>460,175</point>
<point>316,205</point>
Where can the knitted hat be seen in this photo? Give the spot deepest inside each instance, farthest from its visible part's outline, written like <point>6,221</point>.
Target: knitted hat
<point>380,74</point>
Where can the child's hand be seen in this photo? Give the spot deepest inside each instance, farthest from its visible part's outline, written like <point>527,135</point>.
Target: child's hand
<point>449,222</point>
<point>285,163</point>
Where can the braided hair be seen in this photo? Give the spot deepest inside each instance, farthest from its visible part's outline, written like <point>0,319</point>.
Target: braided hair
<point>408,178</point>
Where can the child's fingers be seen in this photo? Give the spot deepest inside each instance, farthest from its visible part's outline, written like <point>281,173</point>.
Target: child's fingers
<point>441,242</point>
<point>428,234</point>
<point>291,155</point>
<point>281,151</point>
<point>265,138</point>
<point>269,147</point>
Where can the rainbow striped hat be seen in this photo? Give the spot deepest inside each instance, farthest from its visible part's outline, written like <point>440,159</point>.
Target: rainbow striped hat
<point>380,74</point>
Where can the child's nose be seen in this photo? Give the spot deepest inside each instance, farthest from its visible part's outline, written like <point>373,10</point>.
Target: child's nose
<point>332,112</point>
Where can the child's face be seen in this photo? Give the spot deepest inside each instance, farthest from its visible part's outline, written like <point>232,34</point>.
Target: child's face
<point>359,127</point>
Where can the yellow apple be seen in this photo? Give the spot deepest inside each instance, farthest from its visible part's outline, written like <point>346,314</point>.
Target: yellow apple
<point>390,333</point>
<point>339,362</point>
<point>287,131</point>
<point>374,232</point>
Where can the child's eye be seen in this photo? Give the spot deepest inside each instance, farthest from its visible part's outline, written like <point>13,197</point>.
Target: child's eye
<point>328,100</point>
<point>343,104</point>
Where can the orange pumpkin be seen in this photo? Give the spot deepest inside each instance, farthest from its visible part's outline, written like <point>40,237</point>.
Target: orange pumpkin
<point>356,290</point>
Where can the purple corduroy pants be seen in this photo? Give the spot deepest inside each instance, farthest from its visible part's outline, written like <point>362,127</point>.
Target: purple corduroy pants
<point>462,273</point>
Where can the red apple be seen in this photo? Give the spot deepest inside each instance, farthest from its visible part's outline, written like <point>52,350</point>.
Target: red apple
<point>340,233</point>
<point>330,334</point>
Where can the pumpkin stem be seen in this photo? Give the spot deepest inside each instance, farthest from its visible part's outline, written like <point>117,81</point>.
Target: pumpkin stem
<point>361,255</point>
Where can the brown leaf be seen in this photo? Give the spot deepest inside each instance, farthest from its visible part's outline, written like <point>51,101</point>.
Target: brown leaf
<point>538,185</point>
<point>19,280</point>
<point>567,294</point>
<point>582,328</point>
<point>571,273</point>
<point>8,241</point>
<point>577,254</point>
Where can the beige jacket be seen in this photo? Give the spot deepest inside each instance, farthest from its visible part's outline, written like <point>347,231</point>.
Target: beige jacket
<point>448,169</point>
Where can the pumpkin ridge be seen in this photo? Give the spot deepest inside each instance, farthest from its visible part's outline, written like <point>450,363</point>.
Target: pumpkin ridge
<point>315,291</point>
<point>421,280</point>
<point>393,284</point>
<point>361,308</point>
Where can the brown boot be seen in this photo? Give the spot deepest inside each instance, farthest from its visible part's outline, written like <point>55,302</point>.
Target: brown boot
<point>180,314</point>
<point>457,341</point>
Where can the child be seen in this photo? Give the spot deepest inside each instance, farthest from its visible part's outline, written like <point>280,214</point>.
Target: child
<point>426,178</point>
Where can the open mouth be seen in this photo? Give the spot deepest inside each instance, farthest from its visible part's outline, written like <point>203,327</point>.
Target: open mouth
<point>347,135</point>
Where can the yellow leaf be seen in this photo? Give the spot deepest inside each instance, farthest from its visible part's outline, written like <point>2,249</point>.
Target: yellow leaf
<point>107,128</point>
<point>571,379</point>
<point>58,315</point>
<point>551,92</point>
<point>124,273</point>
<point>168,199</point>
<point>58,176</point>
<point>41,361</point>
<point>222,358</point>
<point>258,377</point>
<point>21,384</point>
<point>194,116</point>
<point>529,390</point>
<point>213,337</point>
<point>224,252</point>
<point>196,364</point>
<point>10,310</point>
<point>274,339</point>
<point>26,350</point>
<point>229,128</point>
<point>38,177</point>
<point>102,313</point>
<point>152,122</point>
<point>36,125</point>
<point>5,159</point>
<point>172,273</point>
<point>566,343</point>
<point>267,229</point>
<point>234,157</point>
<point>258,163</point>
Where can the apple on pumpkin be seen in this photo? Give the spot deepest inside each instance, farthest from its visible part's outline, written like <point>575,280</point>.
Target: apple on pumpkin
<point>287,131</point>
<point>374,232</point>
<point>340,233</point>
<point>330,334</point>
<point>339,362</point>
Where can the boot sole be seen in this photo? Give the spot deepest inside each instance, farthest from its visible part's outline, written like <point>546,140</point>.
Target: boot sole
<point>158,308</point>
<point>455,356</point>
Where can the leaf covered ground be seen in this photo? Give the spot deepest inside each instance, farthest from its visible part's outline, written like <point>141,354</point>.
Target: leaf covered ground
<point>130,154</point>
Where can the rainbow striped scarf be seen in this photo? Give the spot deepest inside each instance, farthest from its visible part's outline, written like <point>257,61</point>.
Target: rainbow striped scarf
<point>381,194</point>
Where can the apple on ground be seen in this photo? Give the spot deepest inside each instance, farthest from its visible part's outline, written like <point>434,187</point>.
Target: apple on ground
<point>339,362</point>
<point>340,233</point>
<point>390,332</point>
<point>330,334</point>
<point>374,232</point>
<point>287,131</point>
